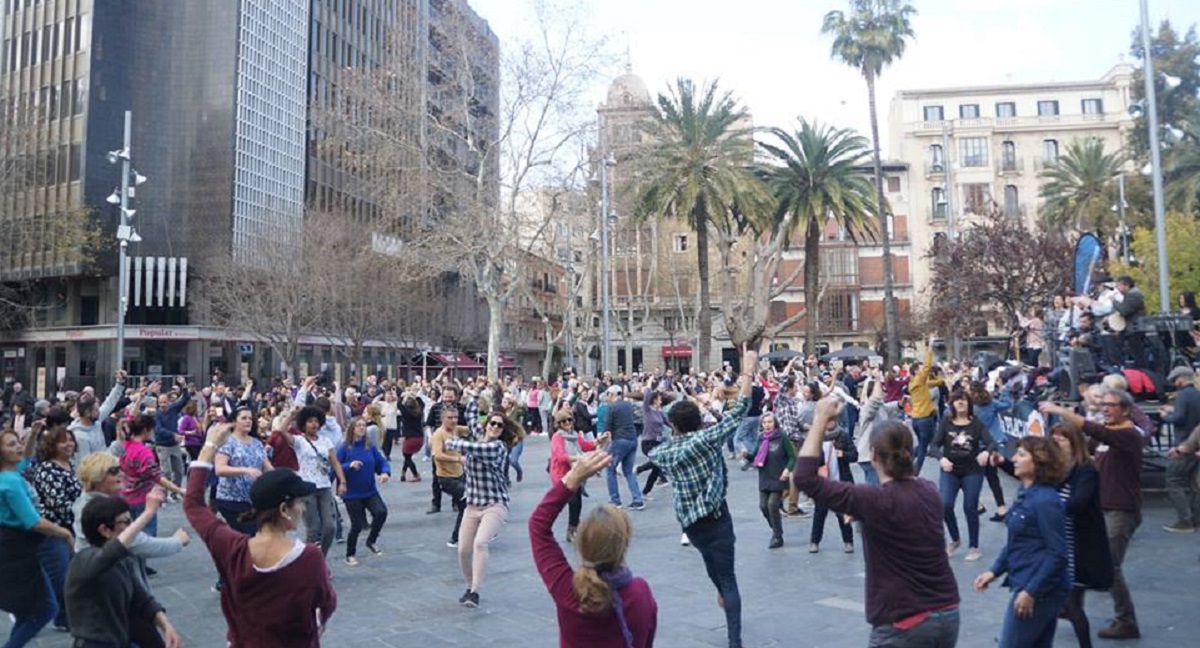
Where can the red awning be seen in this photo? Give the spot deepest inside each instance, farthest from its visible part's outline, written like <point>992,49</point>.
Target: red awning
<point>506,362</point>
<point>455,360</point>
<point>681,351</point>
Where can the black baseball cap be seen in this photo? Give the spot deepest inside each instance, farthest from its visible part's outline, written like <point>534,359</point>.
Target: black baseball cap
<point>277,486</point>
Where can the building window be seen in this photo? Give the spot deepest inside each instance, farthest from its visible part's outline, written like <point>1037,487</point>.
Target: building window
<point>1047,108</point>
<point>1008,156</point>
<point>839,265</point>
<point>968,111</point>
<point>1093,106</point>
<point>680,243</point>
<point>977,197</point>
<point>973,151</point>
<point>1006,109</point>
<point>940,207</point>
<point>937,158</point>
<point>893,184</point>
<point>933,113</point>
<point>1049,151</point>
<point>841,311</point>
<point>1011,201</point>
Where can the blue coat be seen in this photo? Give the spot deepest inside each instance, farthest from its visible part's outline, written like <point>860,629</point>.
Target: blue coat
<point>1035,558</point>
<point>360,484</point>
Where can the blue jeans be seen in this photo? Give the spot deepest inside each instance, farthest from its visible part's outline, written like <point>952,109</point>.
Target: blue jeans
<point>938,631</point>
<point>1038,630</point>
<point>136,511</point>
<point>24,630</point>
<point>971,485</point>
<point>713,538</point>
<point>55,557</point>
<point>869,474</point>
<point>514,458</point>
<point>746,437</point>
<point>925,427</point>
<point>624,452</point>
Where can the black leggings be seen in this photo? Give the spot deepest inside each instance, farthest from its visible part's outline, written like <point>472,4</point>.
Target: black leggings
<point>389,438</point>
<point>409,464</point>
<point>574,508</point>
<point>1074,612</point>
<point>993,481</point>
<point>358,509</point>
<point>655,473</point>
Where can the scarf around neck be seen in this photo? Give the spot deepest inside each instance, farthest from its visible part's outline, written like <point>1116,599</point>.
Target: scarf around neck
<point>617,579</point>
<point>764,446</point>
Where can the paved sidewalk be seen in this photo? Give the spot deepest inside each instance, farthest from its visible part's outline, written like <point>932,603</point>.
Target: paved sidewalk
<point>408,597</point>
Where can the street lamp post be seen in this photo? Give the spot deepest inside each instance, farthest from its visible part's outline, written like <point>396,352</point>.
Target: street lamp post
<point>1160,227</point>
<point>130,179</point>
<point>605,332</point>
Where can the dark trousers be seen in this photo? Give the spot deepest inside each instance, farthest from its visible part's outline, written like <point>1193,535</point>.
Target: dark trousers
<point>1135,344</point>
<point>54,555</point>
<point>456,488</point>
<point>655,473</point>
<point>713,537</point>
<point>925,427</point>
<point>768,503</point>
<point>410,465</point>
<point>389,439</point>
<point>1181,488</point>
<point>821,512</point>
<point>437,491</point>
<point>574,508</point>
<point>938,631</point>
<point>1121,526</point>
<point>231,511</point>
<point>993,481</point>
<point>358,509</point>
<point>970,485</point>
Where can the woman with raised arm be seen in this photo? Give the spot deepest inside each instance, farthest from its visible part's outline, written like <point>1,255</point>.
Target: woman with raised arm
<point>600,605</point>
<point>911,594</point>
<point>278,592</point>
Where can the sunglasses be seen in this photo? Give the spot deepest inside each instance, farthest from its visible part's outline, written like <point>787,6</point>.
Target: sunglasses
<point>495,423</point>
<point>114,471</point>
<point>567,420</point>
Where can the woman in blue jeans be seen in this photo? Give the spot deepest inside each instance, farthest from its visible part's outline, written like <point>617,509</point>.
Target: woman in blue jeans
<point>1035,559</point>
<point>963,447</point>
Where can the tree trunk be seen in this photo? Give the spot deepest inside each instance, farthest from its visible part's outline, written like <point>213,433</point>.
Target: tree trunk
<point>704,317</point>
<point>548,359</point>
<point>495,321</point>
<point>890,315</point>
<point>812,275</point>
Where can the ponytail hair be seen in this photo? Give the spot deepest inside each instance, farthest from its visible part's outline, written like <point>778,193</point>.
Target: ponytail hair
<point>892,444</point>
<point>602,539</point>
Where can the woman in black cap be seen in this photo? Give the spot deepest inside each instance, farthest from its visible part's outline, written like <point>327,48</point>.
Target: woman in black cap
<point>277,589</point>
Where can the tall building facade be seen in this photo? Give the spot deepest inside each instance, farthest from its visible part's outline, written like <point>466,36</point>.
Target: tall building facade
<point>223,95</point>
<point>978,150</point>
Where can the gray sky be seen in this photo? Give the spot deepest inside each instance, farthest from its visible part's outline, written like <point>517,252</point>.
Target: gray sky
<point>771,53</point>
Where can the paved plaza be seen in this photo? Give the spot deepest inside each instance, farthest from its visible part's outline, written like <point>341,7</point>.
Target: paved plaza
<point>790,597</point>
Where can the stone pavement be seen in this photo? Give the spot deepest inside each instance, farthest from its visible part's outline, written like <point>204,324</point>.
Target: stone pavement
<point>408,597</point>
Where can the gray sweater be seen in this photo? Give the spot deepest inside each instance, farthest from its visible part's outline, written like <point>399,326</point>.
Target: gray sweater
<point>103,591</point>
<point>89,437</point>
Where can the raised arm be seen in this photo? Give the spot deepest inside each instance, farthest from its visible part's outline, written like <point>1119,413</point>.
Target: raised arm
<point>548,555</point>
<point>114,395</point>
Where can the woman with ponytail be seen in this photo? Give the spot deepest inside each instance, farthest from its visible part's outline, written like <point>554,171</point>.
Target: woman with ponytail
<point>600,605</point>
<point>911,594</point>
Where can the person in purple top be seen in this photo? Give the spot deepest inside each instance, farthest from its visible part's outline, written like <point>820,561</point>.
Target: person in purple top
<point>911,594</point>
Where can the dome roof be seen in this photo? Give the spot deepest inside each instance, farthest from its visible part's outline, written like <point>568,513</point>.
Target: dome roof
<point>628,90</point>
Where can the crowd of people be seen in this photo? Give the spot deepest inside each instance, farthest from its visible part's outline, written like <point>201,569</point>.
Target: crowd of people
<point>264,475</point>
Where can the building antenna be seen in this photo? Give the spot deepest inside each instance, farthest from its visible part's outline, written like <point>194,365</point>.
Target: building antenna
<point>628,55</point>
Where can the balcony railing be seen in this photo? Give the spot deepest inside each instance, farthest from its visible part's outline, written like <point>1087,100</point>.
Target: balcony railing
<point>933,168</point>
<point>1010,165</point>
<point>1027,121</point>
<point>937,214</point>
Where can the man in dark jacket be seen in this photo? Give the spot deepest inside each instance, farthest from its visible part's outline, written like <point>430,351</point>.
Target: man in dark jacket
<point>166,432</point>
<point>1184,417</point>
<point>1131,308</point>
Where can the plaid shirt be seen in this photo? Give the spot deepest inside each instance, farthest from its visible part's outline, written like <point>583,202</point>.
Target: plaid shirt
<point>787,416</point>
<point>696,467</point>
<point>487,474</point>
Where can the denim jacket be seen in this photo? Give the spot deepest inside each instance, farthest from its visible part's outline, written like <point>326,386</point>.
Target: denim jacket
<point>1035,558</point>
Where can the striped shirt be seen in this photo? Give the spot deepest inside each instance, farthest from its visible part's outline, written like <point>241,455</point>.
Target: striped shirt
<point>696,467</point>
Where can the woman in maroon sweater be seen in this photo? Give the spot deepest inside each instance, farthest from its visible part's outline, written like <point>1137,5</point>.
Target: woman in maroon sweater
<point>277,591</point>
<point>912,597</point>
<point>601,605</point>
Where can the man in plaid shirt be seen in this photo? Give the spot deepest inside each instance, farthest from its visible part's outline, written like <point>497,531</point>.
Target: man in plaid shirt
<point>787,415</point>
<point>694,464</point>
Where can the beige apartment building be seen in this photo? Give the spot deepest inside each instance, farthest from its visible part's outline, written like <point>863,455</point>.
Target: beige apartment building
<point>972,150</point>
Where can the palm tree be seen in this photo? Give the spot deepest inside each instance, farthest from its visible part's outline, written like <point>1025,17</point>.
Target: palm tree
<point>870,37</point>
<point>695,169</point>
<point>1181,169</point>
<point>815,178</point>
<point>1077,186</point>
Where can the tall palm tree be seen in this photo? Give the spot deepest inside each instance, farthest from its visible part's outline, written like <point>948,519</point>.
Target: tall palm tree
<point>872,35</point>
<point>1077,186</point>
<point>696,167</point>
<point>814,177</point>
<point>1181,169</point>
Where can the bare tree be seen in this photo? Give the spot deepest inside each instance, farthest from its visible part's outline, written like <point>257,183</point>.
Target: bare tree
<point>474,164</point>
